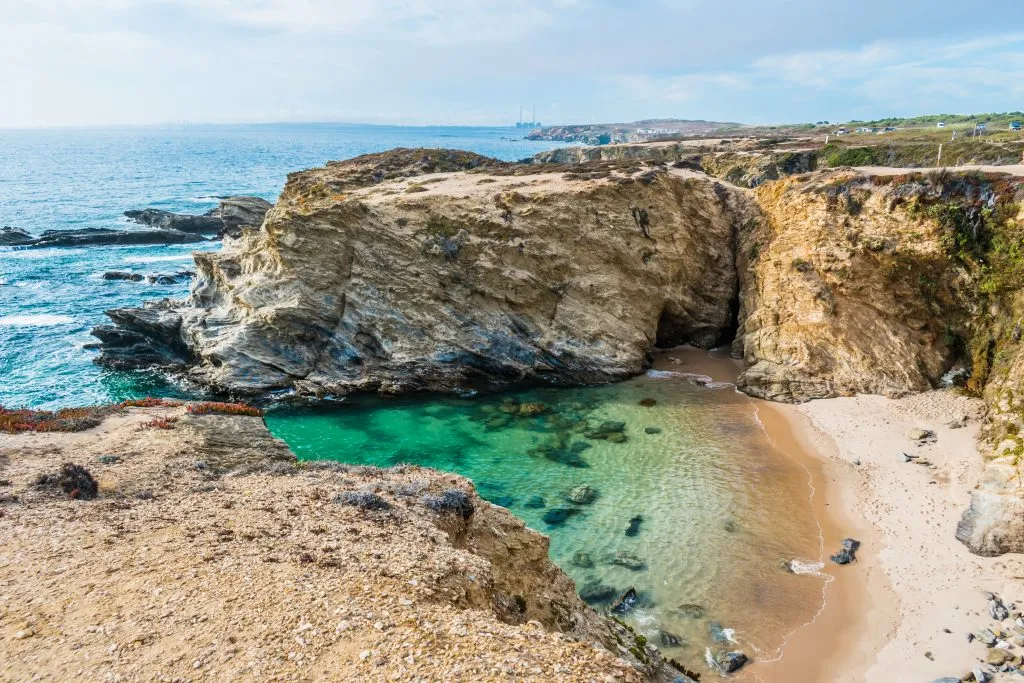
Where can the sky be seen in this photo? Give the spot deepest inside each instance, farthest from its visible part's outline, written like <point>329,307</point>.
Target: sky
<point>475,62</point>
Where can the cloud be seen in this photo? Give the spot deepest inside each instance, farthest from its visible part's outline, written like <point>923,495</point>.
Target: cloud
<point>73,62</point>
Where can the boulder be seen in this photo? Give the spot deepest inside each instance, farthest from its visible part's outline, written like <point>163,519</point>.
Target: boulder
<point>730,662</point>
<point>582,559</point>
<point>559,516</point>
<point>625,602</point>
<point>582,495</point>
<point>847,553</point>
<point>669,639</point>
<point>14,237</point>
<point>625,558</point>
<point>123,275</point>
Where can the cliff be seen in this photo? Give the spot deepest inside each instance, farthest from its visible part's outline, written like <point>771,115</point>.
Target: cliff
<point>434,270</point>
<point>450,281</point>
<point>209,553</point>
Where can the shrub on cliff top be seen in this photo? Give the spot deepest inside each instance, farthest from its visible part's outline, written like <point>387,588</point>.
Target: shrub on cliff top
<point>218,408</point>
<point>63,420</point>
<point>74,480</point>
<point>454,501</point>
<point>364,500</point>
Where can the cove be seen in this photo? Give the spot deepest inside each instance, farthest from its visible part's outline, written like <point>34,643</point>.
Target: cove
<point>666,483</point>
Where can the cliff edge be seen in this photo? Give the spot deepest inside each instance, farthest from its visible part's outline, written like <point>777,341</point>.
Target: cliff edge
<point>190,544</point>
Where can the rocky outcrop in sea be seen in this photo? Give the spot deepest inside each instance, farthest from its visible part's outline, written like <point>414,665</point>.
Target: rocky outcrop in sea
<point>228,218</point>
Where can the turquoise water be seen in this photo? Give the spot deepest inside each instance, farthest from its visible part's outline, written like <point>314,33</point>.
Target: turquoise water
<point>719,507</point>
<point>63,179</point>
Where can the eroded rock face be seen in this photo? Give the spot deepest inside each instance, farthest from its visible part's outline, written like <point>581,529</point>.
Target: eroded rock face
<point>471,279</point>
<point>843,292</point>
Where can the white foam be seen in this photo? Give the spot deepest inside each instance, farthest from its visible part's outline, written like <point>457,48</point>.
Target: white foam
<point>805,567</point>
<point>187,256</point>
<point>41,320</point>
<point>671,374</point>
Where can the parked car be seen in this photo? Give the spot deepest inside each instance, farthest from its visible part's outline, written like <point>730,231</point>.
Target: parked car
<point>1016,125</point>
<point>940,124</point>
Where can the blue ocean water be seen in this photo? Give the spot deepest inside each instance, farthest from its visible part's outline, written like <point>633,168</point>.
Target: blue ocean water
<point>64,179</point>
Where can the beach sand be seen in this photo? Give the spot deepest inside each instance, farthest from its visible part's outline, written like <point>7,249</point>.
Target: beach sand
<point>885,616</point>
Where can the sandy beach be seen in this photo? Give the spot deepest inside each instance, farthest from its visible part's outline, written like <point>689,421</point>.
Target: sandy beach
<point>885,617</point>
<point>903,610</point>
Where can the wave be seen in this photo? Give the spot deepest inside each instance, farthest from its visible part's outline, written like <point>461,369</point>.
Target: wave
<point>186,256</point>
<point>806,567</point>
<point>40,320</point>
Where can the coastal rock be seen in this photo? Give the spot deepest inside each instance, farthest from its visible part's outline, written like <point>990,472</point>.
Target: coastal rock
<point>582,495</point>
<point>634,525</point>
<point>227,218</point>
<point>143,338</point>
<point>123,275</point>
<point>238,212</point>
<point>625,602</point>
<point>847,553</point>
<point>90,237</point>
<point>14,237</point>
<point>165,220</point>
<point>846,288</point>
<point>627,559</point>
<point>505,282</point>
<point>730,662</point>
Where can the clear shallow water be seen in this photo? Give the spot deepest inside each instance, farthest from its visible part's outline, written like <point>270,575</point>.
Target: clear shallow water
<point>720,507</point>
<point>64,179</point>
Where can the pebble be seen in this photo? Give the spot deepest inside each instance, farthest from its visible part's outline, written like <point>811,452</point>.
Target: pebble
<point>22,635</point>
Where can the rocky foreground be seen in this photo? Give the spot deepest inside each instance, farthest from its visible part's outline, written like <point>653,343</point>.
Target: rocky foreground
<point>440,270</point>
<point>188,544</point>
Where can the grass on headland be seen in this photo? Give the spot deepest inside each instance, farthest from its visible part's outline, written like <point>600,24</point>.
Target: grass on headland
<point>14,421</point>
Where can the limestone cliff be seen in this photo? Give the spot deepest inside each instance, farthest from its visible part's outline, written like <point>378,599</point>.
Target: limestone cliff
<point>209,553</point>
<point>451,280</point>
<point>846,289</point>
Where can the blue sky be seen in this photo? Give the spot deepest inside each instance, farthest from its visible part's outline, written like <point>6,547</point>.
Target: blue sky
<point>97,62</point>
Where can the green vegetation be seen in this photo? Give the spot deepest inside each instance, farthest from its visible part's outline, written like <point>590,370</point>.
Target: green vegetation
<point>992,119</point>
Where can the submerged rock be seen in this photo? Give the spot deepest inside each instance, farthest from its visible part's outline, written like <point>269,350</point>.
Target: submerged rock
<point>718,632</point>
<point>610,430</point>
<point>691,611</point>
<point>627,559</point>
<point>535,503</point>
<point>652,430</point>
<point>594,592</point>
<point>647,402</point>
<point>559,516</point>
<point>582,495</point>
<point>634,525</point>
<point>582,559</point>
